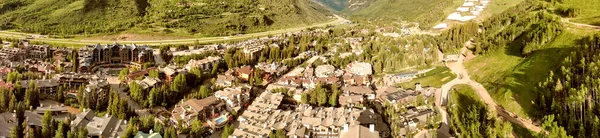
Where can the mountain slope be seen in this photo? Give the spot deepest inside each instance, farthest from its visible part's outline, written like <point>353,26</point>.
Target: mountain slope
<point>345,5</point>
<point>424,12</point>
<point>198,17</point>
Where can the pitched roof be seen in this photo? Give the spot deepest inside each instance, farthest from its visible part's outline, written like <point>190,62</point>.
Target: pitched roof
<point>358,131</point>
<point>199,105</point>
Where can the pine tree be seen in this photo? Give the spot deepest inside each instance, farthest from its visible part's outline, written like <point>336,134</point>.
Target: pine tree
<point>333,98</point>
<point>59,133</point>
<point>82,132</point>
<point>196,128</point>
<point>47,122</point>
<point>31,95</point>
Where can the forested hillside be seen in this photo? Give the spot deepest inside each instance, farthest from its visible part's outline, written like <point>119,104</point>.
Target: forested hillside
<point>345,5</point>
<point>571,94</point>
<point>203,17</point>
<point>424,12</point>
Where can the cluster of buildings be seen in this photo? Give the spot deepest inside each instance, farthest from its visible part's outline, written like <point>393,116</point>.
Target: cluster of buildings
<point>204,64</point>
<point>214,110</point>
<point>263,116</point>
<point>466,12</point>
<point>26,51</point>
<point>469,10</point>
<point>113,55</point>
<point>33,119</point>
<point>355,81</point>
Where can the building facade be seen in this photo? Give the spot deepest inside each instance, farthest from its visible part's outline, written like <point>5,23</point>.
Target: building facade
<point>113,55</point>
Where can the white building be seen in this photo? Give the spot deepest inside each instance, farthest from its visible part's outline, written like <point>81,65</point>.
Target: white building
<point>360,68</point>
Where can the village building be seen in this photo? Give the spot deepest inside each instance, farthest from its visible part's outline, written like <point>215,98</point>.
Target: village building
<point>46,87</point>
<point>148,82</point>
<point>107,126</point>
<point>205,64</point>
<point>359,68</point>
<point>170,72</point>
<point>206,109</point>
<point>245,72</point>
<point>234,97</point>
<point>113,55</point>
<point>255,121</point>
<point>225,80</point>
<point>324,71</point>
<point>74,79</point>
<point>252,50</point>
<point>273,69</point>
<point>100,88</point>
<point>8,121</point>
<point>355,80</point>
<point>152,134</point>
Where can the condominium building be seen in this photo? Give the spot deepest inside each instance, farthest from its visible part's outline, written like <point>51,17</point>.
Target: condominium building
<point>113,55</point>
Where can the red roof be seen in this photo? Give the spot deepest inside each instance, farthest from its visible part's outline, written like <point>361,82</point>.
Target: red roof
<point>136,74</point>
<point>3,84</point>
<point>245,70</point>
<point>5,70</point>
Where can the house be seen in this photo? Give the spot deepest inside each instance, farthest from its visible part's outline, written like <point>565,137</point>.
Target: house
<point>148,82</point>
<point>234,97</point>
<point>374,121</point>
<point>107,126</point>
<point>6,85</point>
<point>140,73</point>
<point>394,95</point>
<point>255,119</point>
<point>350,100</point>
<point>46,87</point>
<point>245,72</point>
<point>359,68</point>
<point>170,72</point>
<point>355,80</point>
<point>4,72</point>
<point>324,71</point>
<point>225,80</point>
<point>141,134</point>
<point>359,90</point>
<point>327,121</point>
<point>205,64</point>
<point>203,109</point>
<point>99,86</point>
<point>8,120</point>
<point>358,131</point>
<point>273,69</point>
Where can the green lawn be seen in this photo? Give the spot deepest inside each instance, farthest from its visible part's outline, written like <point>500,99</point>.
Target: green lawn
<point>434,78</point>
<point>511,78</point>
<point>590,11</point>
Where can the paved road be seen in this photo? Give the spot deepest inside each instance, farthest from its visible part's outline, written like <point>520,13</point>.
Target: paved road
<point>157,57</point>
<point>459,69</point>
<point>75,41</point>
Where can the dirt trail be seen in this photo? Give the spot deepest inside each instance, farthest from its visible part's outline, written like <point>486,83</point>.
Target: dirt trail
<point>464,78</point>
<point>580,25</point>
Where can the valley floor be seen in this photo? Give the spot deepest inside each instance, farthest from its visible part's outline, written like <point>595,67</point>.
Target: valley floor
<point>80,41</point>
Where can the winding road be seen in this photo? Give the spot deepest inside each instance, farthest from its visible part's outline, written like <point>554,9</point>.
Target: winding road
<point>458,68</point>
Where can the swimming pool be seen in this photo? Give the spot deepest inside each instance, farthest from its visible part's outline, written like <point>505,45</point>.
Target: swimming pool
<point>221,120</point>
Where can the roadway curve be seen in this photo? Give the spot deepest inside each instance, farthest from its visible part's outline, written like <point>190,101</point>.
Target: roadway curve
<point>458,68</point>
<point>580,25</point>
<point>18,35</point>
